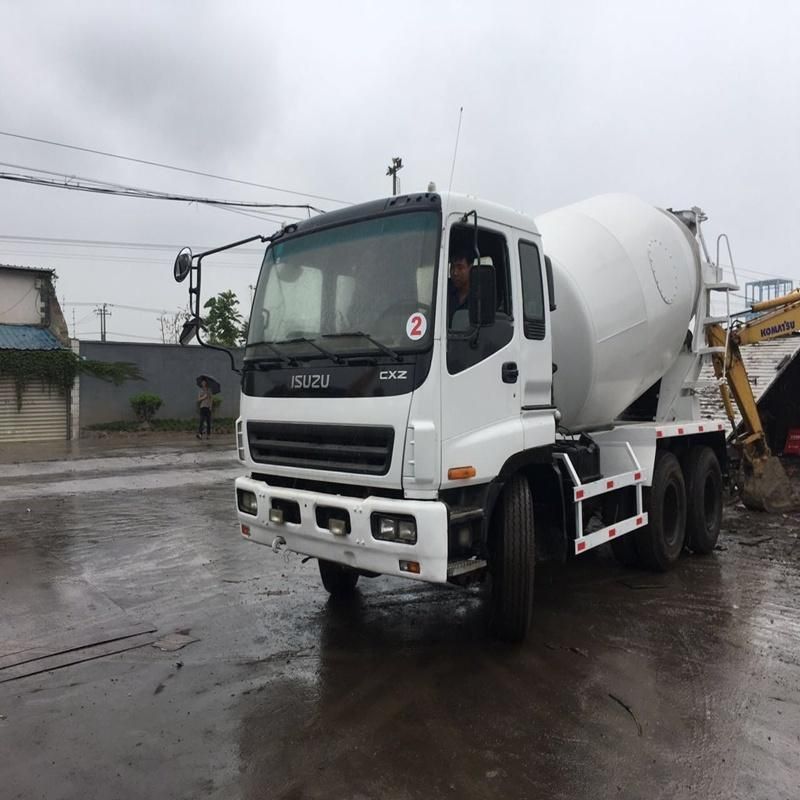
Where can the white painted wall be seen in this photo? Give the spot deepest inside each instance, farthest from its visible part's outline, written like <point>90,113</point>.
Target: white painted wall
<point>20,298</point>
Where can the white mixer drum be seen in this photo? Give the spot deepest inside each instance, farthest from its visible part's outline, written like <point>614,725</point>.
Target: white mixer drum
<point>626,279</point>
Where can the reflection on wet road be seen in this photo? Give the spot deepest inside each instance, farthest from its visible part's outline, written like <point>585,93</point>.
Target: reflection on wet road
<point>634,685</point>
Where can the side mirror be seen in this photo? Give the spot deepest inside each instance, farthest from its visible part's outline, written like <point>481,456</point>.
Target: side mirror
<point>482,295</point>
<point>183,265</point>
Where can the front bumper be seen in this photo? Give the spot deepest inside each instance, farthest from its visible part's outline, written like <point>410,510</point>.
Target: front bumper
<point>357,549</point>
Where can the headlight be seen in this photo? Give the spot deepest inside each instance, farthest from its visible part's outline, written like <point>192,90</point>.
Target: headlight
<point>247,502</point>
<point>394,529</point>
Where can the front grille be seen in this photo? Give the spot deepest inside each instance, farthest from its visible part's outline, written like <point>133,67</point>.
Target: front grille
<point>340,448</point>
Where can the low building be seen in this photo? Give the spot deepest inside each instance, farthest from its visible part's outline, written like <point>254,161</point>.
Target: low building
<point>33,404</point>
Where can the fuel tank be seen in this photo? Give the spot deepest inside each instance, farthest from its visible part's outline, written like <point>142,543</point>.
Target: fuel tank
<point>627,279</point>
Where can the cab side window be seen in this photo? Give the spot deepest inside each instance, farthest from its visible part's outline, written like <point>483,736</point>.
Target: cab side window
<point>467,346</point>
<point>532,291</point>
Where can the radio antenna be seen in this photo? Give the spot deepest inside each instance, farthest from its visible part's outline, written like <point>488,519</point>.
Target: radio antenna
<point>455,149</point>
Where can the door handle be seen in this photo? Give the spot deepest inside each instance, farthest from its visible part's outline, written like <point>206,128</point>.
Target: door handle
<point>510,372</point>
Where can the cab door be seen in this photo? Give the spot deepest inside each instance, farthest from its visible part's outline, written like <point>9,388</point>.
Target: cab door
<point>481,425</point>
<point>535,347</point>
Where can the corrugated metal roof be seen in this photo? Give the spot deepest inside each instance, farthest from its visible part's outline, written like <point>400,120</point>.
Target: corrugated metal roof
<point>27,337</point>
<point>27,269</point>
<point>763,361</point>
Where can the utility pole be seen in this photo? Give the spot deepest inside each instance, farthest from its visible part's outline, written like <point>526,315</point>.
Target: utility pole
<point>103,312</point>
<point>393,169</point>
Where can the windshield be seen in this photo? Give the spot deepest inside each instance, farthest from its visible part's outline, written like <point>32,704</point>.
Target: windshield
<point>360,287</point>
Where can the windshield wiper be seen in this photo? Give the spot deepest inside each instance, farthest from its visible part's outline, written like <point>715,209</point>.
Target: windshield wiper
<point>360,334</point>
<point>337,359</point>
<point>282,356</point>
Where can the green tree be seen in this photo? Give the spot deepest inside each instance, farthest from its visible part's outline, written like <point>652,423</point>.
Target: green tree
<point>224,321</point>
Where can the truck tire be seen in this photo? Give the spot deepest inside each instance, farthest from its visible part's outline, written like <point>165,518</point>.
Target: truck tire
<point>659,545</point>
<point>339,580</point>
<point>703,478</point>
<point>512,562</point>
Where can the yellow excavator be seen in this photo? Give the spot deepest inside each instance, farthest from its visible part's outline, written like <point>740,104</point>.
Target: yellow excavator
<point>763,481</point>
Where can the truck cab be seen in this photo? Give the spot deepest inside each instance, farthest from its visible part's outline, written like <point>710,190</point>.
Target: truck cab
<point>373,412</point>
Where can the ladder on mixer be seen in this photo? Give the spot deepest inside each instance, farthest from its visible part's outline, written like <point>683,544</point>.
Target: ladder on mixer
<point>713,283</point>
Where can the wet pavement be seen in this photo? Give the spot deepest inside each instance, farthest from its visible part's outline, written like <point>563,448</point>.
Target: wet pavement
<point>146,650</point>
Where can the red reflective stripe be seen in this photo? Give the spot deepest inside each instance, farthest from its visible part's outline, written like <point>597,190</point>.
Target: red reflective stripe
<point>579,494</point>
<point>659,434</point>
<point>680,431</point>
<point>639,520</point>
<point>720,426</point>
<point>581,546</point>
<point>612,533</point>
<point>637,476</point>
<point>609,484</point>
<point>700,428</point>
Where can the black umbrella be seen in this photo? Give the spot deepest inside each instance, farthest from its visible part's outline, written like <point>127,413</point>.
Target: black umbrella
<point>213,383</point>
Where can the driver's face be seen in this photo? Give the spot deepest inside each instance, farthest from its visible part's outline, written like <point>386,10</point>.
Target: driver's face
<point>459,273</point>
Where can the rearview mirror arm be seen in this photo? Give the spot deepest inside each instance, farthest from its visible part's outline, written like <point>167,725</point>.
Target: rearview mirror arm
<point>195,279</point>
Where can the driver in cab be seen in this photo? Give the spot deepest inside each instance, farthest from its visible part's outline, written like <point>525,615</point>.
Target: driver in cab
<point>458,287</point>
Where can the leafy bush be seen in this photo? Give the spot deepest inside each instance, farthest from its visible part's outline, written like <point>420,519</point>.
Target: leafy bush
<point>145,405</point>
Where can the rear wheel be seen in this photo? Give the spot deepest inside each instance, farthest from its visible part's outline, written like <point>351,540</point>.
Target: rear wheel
<point>659,544</point>
<point>703,478</point>
<point>339,580</point>
<point>513,559</point>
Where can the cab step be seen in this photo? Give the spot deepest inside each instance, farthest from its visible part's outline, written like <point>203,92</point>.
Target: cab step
<point>464,566</point>
<point>458,515</point>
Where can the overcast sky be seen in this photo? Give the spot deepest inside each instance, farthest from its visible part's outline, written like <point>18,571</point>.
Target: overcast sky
<point>682,103</point>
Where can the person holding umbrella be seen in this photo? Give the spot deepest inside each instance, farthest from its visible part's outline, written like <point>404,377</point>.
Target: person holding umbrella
<point>208,387</point>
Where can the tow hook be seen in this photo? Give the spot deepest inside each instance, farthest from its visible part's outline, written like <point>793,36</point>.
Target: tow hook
<point>277,543</point>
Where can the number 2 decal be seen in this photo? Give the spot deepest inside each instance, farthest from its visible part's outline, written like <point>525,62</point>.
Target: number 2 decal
<point>416,326</point>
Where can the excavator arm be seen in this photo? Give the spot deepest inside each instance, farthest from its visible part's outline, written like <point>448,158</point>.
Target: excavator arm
<point>765,485</point>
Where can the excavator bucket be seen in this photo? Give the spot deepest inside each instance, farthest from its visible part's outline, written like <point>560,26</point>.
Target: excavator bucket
<point>766,486</point>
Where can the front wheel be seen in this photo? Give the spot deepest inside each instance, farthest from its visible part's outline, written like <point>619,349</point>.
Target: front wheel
<point>659,544</point>
<point>512,562</point>
<point>339,580</point>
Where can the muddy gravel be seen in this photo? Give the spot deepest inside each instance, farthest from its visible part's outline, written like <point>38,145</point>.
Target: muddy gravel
<point>146,650</point>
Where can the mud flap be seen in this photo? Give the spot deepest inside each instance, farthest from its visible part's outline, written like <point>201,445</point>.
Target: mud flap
<point>766,486</point>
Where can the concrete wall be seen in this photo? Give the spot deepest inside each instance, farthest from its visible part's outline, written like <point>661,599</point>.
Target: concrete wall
<point>21,297</point>
<point>169,371</point>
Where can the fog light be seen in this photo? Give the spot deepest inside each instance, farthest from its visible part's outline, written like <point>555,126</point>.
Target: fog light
<point>338,527</point>
<point>276,516</point>
<point>409,566</point>
<point>248,502</point>
<point>246,530</point>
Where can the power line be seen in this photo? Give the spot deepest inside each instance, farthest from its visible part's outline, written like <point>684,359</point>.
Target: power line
<point>66,177</point>
<point>127,308</point>
<point>114,244</point>
<point>161,165</point>
<point>101,187</point>
<point>116,259</point>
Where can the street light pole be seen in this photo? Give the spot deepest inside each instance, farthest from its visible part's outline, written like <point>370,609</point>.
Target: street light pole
<point>393,169</point>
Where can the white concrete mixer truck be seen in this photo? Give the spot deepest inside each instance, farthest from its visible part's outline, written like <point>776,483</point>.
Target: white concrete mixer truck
<point>397,419</point>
